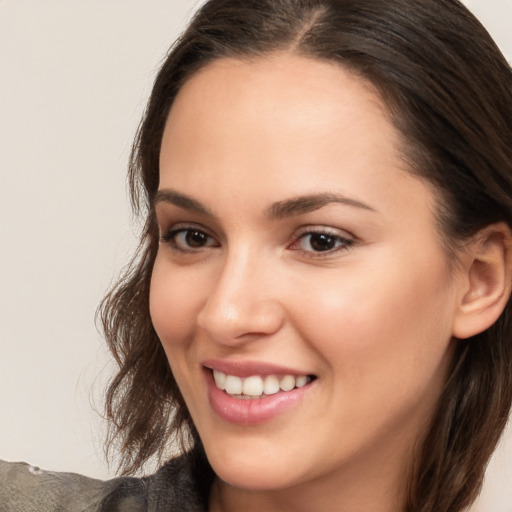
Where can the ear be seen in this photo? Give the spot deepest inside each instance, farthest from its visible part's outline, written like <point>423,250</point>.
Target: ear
<point>487,269</point>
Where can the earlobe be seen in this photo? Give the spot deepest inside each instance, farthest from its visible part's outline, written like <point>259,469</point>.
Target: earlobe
<point>488,280</point>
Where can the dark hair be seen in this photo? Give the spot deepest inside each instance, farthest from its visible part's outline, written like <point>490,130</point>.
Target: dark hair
<point>449,91</point>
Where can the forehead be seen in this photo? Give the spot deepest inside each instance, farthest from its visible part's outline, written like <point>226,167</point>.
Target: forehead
<point>274,82</point>
<point>285,125</point>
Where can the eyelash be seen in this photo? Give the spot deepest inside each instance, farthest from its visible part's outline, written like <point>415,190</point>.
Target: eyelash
<point>170,238</point>
<point>342,243</point>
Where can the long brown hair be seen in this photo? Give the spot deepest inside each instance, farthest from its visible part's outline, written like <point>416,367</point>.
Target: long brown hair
<point>449,90</point>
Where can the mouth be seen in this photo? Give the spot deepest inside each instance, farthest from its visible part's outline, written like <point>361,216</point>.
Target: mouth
<point>254,387</point>
<point>255,392</point>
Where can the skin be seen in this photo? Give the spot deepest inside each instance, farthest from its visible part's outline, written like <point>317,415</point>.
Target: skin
<point>372,318</point>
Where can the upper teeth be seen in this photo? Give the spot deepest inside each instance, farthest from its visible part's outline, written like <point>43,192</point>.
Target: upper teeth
<point>256,385</point>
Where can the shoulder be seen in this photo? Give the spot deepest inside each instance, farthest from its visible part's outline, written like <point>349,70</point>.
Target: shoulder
<point>26,488</point>
<point>177,486</point>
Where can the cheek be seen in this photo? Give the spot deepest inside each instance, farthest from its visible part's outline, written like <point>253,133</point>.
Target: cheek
<point>386,353</point>
<point>173,303</point>
<point>389,323</point>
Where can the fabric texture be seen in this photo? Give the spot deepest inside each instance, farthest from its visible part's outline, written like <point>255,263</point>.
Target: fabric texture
<point>176,487</point>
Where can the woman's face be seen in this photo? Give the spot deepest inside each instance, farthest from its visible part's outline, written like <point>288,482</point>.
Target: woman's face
<point>296,252</point>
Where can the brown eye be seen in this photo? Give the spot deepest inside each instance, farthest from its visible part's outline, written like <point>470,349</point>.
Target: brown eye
<point>321,242</point>
<point>318,242</point>
<point>196,238</point>
<point>189,239</point>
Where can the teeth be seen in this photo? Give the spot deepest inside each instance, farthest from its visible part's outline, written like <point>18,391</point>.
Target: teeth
<point>233,385</point>
<point>271,385</point>
<point>253,386</point>
<point>256,386</point>
<point>301,381</point>
<point>287,383</point>
<point>220,379</point>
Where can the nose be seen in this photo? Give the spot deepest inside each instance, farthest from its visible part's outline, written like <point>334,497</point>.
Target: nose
<point>243,301</point>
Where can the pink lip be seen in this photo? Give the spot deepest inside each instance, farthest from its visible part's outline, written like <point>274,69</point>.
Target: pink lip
<point>253,411</point>
<point>248,368</point>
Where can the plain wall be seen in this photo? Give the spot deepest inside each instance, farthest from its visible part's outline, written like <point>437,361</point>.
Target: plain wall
<point>74,77</point>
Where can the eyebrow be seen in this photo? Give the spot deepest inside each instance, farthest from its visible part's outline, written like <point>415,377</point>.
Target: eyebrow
<point>281,209</point>
<point>181,201</point>
<point>309,203</point>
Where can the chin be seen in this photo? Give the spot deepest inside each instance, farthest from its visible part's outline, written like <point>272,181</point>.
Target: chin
<point>252,472</point>
<point>253,479</point>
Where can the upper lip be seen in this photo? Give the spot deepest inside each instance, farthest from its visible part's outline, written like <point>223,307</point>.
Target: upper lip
<point>248,368</point>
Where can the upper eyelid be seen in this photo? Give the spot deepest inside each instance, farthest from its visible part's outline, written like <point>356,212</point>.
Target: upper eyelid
<point>330,230</point>
<point>299,231</point>
<point>184,226</point>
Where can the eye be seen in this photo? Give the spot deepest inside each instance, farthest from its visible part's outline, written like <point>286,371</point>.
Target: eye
<point>189,239</point>
<point>321,242</point>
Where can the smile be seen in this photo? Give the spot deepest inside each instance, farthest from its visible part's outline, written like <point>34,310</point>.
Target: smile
<point>256,386</point>
<point>251,392</point>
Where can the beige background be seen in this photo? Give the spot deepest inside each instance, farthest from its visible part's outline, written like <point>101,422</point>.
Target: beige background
<point>74,76</point>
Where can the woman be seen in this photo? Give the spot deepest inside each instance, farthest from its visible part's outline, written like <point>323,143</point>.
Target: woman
<point>319,311</point>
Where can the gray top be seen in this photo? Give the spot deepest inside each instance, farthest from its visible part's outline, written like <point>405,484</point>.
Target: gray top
<point>173,488</point>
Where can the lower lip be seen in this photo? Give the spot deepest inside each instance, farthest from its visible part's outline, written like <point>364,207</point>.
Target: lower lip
<point>251,411</point>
